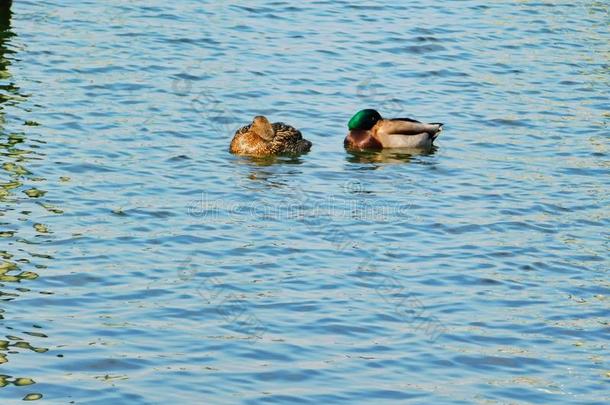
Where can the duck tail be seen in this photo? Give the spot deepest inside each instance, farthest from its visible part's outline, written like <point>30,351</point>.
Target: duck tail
<point>304,146</point>
<point>439,128</point>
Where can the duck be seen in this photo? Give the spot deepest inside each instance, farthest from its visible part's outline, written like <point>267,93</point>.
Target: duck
<point>262,138</point>
<point>368,130</point>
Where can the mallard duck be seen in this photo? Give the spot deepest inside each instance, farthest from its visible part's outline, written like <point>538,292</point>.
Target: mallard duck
<point>368,130</point>
<point>262,138</point>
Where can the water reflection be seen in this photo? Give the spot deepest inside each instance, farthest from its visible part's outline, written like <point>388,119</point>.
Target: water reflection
<point>402,155</point>
<point>14,156</point>
<point>5,12</point>
<point>271,160</point>
<point>9,90</point>
<point>347,274</point>
<point>267,169</point>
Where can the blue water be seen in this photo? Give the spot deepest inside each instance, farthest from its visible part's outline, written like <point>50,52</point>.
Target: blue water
<point>142,263</point>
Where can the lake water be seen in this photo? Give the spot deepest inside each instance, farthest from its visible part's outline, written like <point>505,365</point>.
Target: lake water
<point>142,263</point>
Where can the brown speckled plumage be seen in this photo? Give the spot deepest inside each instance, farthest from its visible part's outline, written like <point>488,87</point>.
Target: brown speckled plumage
<point>263,138</point>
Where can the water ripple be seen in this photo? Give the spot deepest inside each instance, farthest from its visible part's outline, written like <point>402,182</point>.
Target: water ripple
<point>137,253</point>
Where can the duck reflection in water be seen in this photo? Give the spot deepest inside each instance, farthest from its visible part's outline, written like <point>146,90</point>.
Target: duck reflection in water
<point>402,155</point>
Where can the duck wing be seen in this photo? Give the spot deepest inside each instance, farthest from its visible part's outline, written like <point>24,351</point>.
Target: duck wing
<point>407,126</point>
<point>405,133</point>
<point>405,119</point>
<point>242,130</point>
<point>288,139</point>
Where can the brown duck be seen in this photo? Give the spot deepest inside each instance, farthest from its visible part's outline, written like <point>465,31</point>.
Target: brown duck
<point>261,138</point>
<point>368,130</point>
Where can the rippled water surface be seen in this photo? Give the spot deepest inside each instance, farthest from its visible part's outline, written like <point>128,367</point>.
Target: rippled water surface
<point>142,263</point>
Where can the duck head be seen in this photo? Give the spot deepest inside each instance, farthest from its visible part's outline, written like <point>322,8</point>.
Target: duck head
<point>262,127</point>
<point>364,120</point>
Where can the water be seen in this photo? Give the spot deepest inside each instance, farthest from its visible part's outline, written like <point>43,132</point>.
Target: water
<point>142,263</point>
